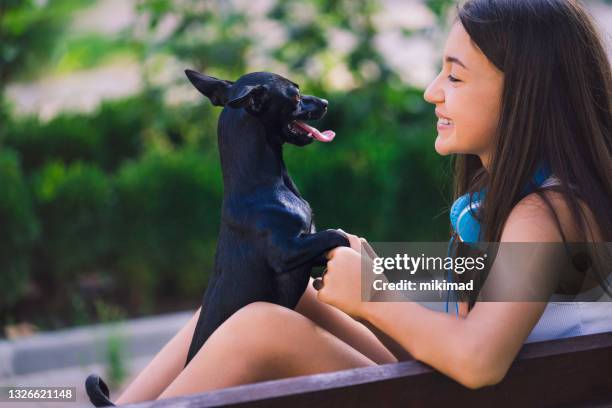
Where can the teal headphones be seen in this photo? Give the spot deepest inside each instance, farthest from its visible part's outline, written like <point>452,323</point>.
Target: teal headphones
<point>465,223</point>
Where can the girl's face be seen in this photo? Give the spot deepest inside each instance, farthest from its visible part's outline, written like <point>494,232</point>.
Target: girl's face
<point>467,94</point>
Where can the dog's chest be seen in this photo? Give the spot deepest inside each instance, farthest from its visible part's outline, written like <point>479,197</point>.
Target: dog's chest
<point>277,208</point>
<point>297,205</point>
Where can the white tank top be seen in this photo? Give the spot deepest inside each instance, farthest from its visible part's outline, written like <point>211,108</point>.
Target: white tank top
<point>590,313</point>
<point>567,319</point>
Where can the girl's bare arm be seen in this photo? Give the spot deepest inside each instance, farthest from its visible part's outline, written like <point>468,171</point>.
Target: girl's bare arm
<point>478,349</point>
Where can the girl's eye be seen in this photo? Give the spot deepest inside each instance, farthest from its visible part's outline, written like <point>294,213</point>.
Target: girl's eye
<point>453,79</point>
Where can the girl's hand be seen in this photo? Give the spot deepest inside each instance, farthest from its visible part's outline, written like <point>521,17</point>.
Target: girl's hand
<point>341,286</point>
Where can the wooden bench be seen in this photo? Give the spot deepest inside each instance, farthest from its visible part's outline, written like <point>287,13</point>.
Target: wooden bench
<point>574,371</point>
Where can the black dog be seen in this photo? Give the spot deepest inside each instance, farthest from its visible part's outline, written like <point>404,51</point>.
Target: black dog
<point>267,244</point>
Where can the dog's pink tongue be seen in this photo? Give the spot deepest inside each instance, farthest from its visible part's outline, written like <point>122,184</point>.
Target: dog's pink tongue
<point>325,136</point>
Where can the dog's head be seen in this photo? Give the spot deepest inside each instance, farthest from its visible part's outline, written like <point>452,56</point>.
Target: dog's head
<point>271,98</point>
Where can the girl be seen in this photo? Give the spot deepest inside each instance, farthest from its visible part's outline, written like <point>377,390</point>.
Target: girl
<point>523,84</point>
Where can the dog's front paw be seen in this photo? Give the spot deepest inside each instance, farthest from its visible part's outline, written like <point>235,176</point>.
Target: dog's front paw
<point>334,239</point>
<point>320,260</point>
<point>339,238</point>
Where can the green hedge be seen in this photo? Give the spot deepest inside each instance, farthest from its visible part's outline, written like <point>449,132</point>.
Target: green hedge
<point>20,229</point>
<point>166,218</point>
<point>74,205</point>
<point>107,138</point>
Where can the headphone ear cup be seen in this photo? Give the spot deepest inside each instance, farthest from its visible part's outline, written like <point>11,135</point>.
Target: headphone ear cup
<point>463,218</point>
<point>458,206</point>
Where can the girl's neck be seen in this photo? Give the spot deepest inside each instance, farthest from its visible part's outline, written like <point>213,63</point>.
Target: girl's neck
<point>485,160</point>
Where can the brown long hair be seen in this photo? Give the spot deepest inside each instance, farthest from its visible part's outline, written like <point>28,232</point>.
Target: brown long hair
<point>555,109</point>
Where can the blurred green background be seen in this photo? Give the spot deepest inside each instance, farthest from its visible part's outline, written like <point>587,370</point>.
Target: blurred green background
<point>110,185</point>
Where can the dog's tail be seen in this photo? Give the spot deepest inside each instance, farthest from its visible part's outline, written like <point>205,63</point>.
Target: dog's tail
<point>98,392</point>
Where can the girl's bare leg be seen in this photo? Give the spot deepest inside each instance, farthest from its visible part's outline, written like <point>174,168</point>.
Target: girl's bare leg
<point>163,369</point>
<point>169,361</point>
<point>345,327</point>
<point>263,341</point>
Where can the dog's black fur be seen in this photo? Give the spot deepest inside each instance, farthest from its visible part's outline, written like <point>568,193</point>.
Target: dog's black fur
<point>267,243</point>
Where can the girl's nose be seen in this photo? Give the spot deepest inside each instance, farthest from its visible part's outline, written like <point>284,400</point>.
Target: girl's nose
<point>433,93</point>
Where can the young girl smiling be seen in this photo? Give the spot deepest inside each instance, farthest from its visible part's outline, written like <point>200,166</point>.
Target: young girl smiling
<point>525,85</point>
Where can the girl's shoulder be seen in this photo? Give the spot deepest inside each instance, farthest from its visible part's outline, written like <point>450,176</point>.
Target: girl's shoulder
<point>531,220</point>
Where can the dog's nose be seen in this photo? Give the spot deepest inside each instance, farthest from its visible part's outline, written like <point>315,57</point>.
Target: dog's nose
<point>325,102</point>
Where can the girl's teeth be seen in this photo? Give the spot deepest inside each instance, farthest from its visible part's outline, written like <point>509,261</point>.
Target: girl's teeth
<point>444,122</point>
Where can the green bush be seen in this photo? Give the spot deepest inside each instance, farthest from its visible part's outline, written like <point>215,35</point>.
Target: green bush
<point>120,125</point>
<point>67,138</point>
<point>74,204</point>
<point>165,223</point>
<point>108,137</point>
<point>19,227</point>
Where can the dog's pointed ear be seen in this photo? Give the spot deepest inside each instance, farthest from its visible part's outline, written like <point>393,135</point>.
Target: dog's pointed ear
<point>251,96</point>
<point>217,90</point>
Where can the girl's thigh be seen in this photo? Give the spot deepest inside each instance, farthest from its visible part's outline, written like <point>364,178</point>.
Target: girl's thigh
<point>261,342</point>
<point>344,327</point>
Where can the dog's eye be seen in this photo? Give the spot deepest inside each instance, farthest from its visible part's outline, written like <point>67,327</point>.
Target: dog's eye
<point>296,98</point>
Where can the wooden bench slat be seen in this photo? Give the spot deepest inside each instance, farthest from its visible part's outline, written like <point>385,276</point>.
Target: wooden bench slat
<point>567,371</point>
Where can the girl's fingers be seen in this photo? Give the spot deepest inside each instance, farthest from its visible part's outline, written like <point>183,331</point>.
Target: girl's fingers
<point>368,248</point>
<point>353,240</point>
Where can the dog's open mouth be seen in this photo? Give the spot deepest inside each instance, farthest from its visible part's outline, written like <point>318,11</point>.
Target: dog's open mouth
<point>304,129</point>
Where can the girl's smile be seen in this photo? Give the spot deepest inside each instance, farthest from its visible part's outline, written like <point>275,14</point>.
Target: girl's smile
<point>444,123</point>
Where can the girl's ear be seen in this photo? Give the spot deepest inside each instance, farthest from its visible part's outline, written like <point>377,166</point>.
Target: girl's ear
<point>217,90</point>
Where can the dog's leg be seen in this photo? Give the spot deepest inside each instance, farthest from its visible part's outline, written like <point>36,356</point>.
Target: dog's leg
<point>288,254</point>
<point>321,260</point>
<point>202,330</point>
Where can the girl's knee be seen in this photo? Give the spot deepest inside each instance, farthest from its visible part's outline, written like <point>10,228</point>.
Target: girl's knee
<point>262,315</point>
<point>270,323</point>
